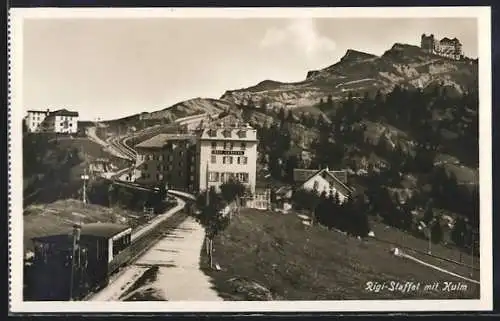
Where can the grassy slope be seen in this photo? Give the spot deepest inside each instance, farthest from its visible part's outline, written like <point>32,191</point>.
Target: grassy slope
<point>299,263</point>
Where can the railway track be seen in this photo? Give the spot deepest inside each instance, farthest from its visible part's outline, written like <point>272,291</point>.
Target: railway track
<point>141,245</point>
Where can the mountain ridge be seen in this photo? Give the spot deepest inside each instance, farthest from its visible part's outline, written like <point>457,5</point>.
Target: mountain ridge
<point>356,72</point>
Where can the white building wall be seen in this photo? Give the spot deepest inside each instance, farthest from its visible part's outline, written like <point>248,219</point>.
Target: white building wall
<point>205,156</point>
<point>34,119</point>
<point>60,124</point>
<point>321,185</point>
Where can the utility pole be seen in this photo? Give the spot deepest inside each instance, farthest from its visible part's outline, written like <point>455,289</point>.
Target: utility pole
<point>84,178</point>
<point>74,249</point>
<point>472,247</point>
<point>207,187</point>
<point>207,205</point>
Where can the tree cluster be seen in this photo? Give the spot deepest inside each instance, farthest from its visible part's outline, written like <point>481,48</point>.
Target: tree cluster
<point>48,169</point>
<point>330,211</point>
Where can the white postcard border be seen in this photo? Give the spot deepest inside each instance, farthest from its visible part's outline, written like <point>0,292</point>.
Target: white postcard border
<point>16,18</point>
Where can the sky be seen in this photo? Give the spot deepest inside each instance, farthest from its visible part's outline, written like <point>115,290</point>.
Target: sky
<point>110,68</point>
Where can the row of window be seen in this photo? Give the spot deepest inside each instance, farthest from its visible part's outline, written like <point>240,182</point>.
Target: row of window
<point>229,145</point>
<point>120,244</point>
<point>159,176</point>
<point>240,160</point>
<point>167,167</point>
<point>226,176</point>
<point>161,157</point>
<point>227,133</point>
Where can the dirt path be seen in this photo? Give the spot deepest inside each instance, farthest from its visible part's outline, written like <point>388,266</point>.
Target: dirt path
<point>177,255</point>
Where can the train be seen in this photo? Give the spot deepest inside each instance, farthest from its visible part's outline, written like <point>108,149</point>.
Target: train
<point>71,265</point>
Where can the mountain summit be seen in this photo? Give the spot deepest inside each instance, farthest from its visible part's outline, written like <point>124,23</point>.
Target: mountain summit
<point>359,72</point>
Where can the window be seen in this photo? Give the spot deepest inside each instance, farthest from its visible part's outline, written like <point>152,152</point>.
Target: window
<point>213,159</point>
<point>243,146</point>
<point>213,176</point>
<point>230,159</point>
<point>244,159</point>
<point>214,145</point>
<point>242,134</point>
<point>231,146</point>
<point>150,157</point>
<point>243,177</point>
<point>223,159</point>
<point>239,160</point>
<point>225,145</point>
<point>226,133</point>
<point>160,157</point>
<point>222,177</point>
<point>316,185</point>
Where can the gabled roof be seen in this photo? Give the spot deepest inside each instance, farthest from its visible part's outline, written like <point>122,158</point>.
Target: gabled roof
<point>161,140</point>
<point>332,175</point>
<point>300,175</point>
<point>64,112</point>
<point>448,40</point>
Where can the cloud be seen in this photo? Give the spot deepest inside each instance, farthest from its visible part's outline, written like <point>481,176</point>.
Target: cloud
<point>301,36</point>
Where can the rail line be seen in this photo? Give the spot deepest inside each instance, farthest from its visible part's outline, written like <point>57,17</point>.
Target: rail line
<point>140,245</point>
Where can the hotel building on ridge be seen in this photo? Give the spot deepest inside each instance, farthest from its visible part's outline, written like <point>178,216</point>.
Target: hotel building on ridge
<point>227,150</point>
<point>61,121</point>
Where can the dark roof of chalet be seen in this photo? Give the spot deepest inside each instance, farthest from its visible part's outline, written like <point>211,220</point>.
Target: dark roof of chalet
<point>161,140</point>
<point>300,175</point>
<point>63,112</point>
<point>101,230</point>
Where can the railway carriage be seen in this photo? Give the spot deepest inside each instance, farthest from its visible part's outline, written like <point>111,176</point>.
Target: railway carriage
<point>100,250</point>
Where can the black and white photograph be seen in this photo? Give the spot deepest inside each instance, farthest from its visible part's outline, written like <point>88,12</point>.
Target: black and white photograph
<point>264,159</point>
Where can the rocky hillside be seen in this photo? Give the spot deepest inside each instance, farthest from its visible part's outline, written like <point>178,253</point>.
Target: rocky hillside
<point>359,72</point>
<point>190,107</point>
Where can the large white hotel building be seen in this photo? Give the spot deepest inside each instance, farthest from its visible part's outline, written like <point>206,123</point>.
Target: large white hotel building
<point>221,151</point>
<point>227,151</point>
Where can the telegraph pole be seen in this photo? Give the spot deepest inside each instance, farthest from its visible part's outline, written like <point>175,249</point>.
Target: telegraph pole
<point>74,249</point>
<point>207,187</point>
<point>84,178</point>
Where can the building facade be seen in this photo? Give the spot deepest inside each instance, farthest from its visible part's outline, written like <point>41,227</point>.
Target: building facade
<point>170,159</point>
<point>446,47</point>
<point>60,121</point>
<point>227,150</point>
<point>34,120</point>
<point>323,180</point>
